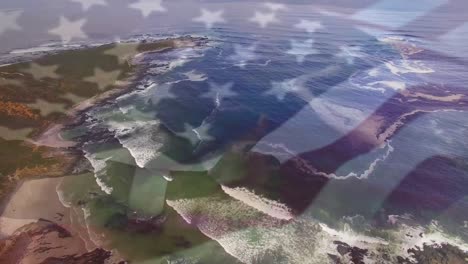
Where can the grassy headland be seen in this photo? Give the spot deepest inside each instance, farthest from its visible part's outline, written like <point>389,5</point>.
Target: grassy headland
<point>42,92</point>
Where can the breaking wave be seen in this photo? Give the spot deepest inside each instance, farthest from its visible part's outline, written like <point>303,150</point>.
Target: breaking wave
<point>140,138</point>
<point>366,173</point>
<point>269,207</point>
<point>99,166</point>
<point>303,239</point>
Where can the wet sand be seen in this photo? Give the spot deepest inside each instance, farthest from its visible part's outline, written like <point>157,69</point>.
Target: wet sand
<point>33,200</point>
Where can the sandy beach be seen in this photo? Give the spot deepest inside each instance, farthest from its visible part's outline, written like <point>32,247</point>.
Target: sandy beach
<point>36,209</point>
<point>33,200</point>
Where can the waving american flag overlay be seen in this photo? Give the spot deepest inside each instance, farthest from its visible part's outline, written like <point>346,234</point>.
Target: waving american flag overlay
<point>185,131</point>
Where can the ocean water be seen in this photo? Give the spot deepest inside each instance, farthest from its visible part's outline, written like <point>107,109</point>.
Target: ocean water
<point>269,144</point>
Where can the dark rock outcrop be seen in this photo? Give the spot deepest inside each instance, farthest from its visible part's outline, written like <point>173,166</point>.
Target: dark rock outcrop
<point>46,242</point>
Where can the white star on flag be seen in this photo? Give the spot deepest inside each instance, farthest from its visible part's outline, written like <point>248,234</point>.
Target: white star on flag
<point>47,108</point>
<point>263,19</point>
<point>42,71</point>
<point>102,78</point>
<point>210,18</point>
<point>243,54</point>
<point>309,26</point>
<point>164,92</point>
<point>302,49</point>
<point>8,21</point>
<point>221,91</point>
<point>202,133</point>
<point>195,76</point>
<point>196,135</point>
<point>14,134</point>
<point>75,99</point>
<point>5,82</point>
<point>87,4</point>
<point>295,85</point>
<point>123,52</point>
<point>275,6</point>
<point>146,7</point>
<point>350,53</point>
<point>68,30</point>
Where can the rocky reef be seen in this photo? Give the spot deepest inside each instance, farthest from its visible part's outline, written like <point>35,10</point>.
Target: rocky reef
<point>48,243</point>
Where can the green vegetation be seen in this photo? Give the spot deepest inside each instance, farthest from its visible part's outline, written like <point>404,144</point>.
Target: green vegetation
<point>37,94</point>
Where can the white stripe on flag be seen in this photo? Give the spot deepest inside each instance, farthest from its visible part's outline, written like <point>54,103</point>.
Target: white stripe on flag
<point>396,13</point>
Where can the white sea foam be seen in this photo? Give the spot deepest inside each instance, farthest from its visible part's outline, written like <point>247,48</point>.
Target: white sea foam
<point>384,85</point>
<point>366,173</point>
<point>33,50</point>
<point>50,47</point>
<point>378,80</point>
<point>168,177</point>
<point>303,239</point>
<point>397,241</point>
<point>96,238</point>
<point>406,46</point>
<point>78,221</point>
<point>279,150</point>
<point>264,205</point>
<point>408,236</point>
<point>144,140</point>
<point>126,109</point>
<point>256,235</point>
<point>394,75</point>
<point>140,138</point>
<point>393,219</point>
<point>408,66</point>
<point>233,225</point>
<point>351,237</point>
<point>404,236</point>
<point>195,76</point>
<point>374,245</point>
<point>61,196</point>
<point>175,59</point>
<point>99,166</point>
<point>374,72</point>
